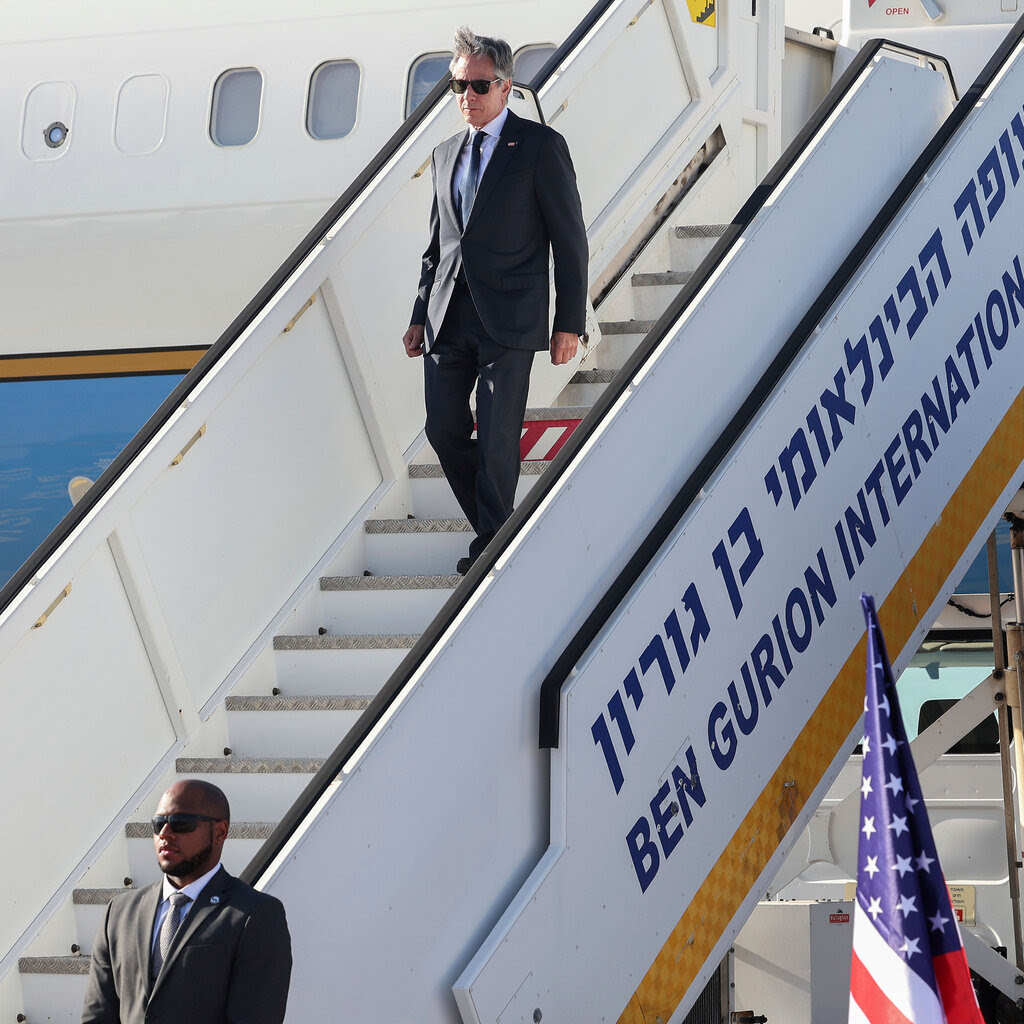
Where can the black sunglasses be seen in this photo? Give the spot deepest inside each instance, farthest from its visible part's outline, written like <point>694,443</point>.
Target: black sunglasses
<point>479,85</point>
<point>180,823</point>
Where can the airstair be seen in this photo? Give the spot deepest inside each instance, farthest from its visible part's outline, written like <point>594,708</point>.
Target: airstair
<point>765,424</point>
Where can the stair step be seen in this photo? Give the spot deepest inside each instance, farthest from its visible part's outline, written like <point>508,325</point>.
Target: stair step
<point>258,788</point>
<point>676,278</point>
<point>76,964</point>
<point>432,471</point>
<point>653,293</point>
<point>616,327</point>
<point>557,413</point>
<point>371,604</point>
<point>689,244</point>
<point>97,897</point>
<point>389,583</point>
<point>90,906</point>
<point>594,375</point>
<point>428,547</point>
<point>619,339</point>
<point>387,527</point>
<point>192,766</point>
<point>311,725</point>
<point>346,642</point>
<point>432,496</point>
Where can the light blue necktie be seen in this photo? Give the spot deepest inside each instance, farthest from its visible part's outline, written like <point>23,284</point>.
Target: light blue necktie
<point>467,193</point>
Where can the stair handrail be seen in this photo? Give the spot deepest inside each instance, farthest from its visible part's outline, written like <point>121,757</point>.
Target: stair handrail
<point>368,721</point>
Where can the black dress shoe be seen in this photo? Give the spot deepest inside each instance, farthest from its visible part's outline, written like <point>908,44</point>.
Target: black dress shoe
<point>462,566</point>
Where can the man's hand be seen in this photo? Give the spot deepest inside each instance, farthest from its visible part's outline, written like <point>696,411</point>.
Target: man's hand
<point>563,347</point>
<point>413,341</point>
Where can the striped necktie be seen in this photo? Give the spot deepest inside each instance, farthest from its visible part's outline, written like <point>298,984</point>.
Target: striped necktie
<point>467,193</point>
<point>179,901</point>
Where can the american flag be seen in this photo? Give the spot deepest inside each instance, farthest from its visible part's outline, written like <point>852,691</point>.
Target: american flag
<point>908,961</point>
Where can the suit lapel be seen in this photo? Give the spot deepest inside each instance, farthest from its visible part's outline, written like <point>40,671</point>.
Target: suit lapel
<point>149,903</point>
<point>446,172</point>
<point>504,152</point>
<point>211,899</point>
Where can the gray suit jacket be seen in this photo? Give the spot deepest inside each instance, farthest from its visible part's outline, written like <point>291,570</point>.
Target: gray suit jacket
<point>527,208</point>
<point>229,962</point>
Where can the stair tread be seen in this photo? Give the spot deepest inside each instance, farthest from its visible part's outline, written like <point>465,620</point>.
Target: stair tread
<point>558,413</point>
<point>446,581</point>
<point>74,964</point>
<point>236,830</point>
<point>346,642</point>
<point>677,277</point>
<point>248,765</point>
<point>626,326</point>
<point>98,897</point>
<point>400,526</point>
<point>597,375</point>
<point>432,471</point>
<point>701,230</point>
<point>314,702</point>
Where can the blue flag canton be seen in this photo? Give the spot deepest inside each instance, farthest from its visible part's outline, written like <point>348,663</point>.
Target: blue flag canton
<point>900,884</point>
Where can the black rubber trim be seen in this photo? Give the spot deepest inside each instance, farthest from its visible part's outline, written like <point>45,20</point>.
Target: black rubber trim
<point>380,704</point>
<point>209,360</point>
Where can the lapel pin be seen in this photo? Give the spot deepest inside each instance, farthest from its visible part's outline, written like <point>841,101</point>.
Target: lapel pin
<point>215,899</point>
<point>511,143</point>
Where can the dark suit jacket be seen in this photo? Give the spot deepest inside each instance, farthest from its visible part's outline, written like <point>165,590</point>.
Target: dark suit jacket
<point>526,207</point>
<point>230,960</point>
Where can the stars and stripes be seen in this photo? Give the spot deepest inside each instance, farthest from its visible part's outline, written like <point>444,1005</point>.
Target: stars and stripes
<point>908,963</point>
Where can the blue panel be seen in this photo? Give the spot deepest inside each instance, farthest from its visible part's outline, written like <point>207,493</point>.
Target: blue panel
<point>975,580</point>
<point>53,430</point>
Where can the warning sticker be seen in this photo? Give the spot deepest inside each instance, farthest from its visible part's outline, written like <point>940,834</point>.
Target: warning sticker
<point>702,11</point>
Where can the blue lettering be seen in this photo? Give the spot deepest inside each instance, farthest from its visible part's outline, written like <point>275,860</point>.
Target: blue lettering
<point>900,487</point>
<point>722,741</point>
<point>663,816</point>
<point>643,852</point>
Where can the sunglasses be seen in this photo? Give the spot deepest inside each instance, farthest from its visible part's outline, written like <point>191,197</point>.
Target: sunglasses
<point>479,85</point>
<point>180,823</point>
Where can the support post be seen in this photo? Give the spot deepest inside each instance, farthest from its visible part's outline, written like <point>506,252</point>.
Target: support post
<point>999,672</point>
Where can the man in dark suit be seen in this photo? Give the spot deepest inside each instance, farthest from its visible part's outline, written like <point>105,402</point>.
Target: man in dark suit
<point>200,946</point>
<point>505,202</point>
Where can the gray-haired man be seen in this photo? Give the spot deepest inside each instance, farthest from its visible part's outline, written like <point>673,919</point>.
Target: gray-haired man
<point>505,203</point>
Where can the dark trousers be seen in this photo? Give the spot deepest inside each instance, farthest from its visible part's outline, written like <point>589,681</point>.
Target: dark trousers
<point>482,471</point>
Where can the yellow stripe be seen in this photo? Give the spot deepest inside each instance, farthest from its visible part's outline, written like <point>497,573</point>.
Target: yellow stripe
<point>749,850</point>
<point>98,364</point>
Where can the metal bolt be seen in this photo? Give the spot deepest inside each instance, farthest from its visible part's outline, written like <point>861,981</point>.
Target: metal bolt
<point>537,1016</point>
<point>276,691</point>
<point>1019,980</point>
<point>1000,697</point>
<point>21,1018</point>
<point>75,947</point>
<point>227,751</point>
<point>128,883</point>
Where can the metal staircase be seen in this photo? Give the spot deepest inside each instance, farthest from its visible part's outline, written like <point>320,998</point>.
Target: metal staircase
<point>322,680</point>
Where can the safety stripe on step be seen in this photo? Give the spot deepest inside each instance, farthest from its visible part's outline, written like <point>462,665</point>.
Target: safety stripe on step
<point>748,852</point>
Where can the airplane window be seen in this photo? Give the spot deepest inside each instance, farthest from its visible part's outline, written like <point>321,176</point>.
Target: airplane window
<point>237,98</point>
<point>333,92</point>
<point>530,59</point>
<point>425,73</point>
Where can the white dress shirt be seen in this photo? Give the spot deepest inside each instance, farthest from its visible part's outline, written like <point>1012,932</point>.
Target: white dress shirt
<point>192,890</point>
<point>491,132</point>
